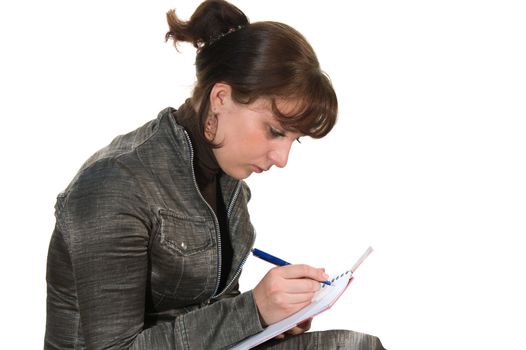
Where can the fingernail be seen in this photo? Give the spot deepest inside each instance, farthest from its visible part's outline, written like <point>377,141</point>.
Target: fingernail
<point>325,276</point>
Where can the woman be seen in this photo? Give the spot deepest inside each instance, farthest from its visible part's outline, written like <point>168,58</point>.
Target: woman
<point>152,233</point>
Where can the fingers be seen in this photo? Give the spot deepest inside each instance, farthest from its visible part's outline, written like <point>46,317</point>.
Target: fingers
<point>293,299</point>
<point>285,290</point>
<point>303,271</point>
<point>305,325</point>
<point>295,331</point>
<point>304,285</point>
<point>299,329</point>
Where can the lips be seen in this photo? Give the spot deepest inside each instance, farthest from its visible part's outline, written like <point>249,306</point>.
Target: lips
<point>257,169</point>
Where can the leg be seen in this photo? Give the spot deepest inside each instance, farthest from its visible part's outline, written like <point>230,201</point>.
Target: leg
<point>333,339</point>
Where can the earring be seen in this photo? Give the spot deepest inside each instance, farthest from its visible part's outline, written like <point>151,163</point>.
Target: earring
<point>211,127</point>
<point>208,133</point>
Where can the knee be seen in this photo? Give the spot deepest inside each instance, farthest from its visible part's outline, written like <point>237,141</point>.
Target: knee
<point>357,341</point>
<point>367,341</point>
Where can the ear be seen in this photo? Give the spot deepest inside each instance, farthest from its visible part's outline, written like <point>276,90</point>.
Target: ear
<point>220,95</point>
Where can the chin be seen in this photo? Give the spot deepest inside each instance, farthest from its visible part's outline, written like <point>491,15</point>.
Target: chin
<point>240,174</point>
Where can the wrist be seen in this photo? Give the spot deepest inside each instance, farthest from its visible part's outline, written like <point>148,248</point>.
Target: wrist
<point>257,301</point>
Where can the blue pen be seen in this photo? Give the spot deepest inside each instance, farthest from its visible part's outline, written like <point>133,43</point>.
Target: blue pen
<point>275,260</point>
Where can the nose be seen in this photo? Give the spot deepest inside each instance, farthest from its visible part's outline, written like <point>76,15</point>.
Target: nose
<point>279,155</point>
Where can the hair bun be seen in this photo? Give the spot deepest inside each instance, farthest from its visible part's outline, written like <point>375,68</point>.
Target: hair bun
<point>210,21</point>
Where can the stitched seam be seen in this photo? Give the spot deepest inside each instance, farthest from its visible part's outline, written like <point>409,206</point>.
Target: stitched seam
<point>184,335</point>
<point>78,332</point>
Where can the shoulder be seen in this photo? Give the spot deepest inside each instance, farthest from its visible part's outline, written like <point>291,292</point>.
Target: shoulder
<point>124,175</point>
<point>104,188</point>
<point>118,163</point>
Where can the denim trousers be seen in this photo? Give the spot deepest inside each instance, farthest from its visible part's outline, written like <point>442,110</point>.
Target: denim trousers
<point>333,339</point>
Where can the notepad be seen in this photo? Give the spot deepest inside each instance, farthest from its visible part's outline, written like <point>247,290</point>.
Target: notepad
<point>321,301</point>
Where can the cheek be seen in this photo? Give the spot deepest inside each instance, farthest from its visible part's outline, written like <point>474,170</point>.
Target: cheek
<point>244,140</point>
<point>255,144</point>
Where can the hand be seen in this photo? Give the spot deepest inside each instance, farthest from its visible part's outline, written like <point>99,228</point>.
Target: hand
<point>299,329</point>
<point>285,290</point>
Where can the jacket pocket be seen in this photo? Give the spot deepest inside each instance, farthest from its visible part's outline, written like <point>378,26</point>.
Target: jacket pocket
<point>183,261</point>
<point>185,235</point>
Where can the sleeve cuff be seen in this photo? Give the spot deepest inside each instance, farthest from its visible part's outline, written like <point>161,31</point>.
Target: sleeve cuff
<point>250,319</point>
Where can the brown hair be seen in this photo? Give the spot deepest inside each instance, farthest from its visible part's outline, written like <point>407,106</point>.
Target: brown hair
<point>262,59</point>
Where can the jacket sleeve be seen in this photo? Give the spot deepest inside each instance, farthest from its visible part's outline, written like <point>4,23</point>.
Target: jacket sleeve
<point>107,235</point>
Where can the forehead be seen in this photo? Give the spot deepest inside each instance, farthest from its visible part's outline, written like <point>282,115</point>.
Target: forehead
<point>284,106</point>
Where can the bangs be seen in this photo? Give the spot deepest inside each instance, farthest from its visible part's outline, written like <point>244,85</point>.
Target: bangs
<point>316,108</point>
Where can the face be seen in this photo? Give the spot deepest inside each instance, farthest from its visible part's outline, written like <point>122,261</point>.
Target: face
<point>251,138</point>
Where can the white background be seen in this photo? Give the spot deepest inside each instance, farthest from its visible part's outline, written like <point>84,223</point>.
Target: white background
<point>426,163</point>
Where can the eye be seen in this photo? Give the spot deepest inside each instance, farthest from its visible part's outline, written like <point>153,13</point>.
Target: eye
<point>275,132</point>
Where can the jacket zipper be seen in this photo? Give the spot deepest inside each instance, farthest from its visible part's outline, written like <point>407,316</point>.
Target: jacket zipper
<point>238,271</point>
<point>216,221</point>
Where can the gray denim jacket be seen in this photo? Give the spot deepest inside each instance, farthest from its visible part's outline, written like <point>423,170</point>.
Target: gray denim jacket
<point>134,260</point>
